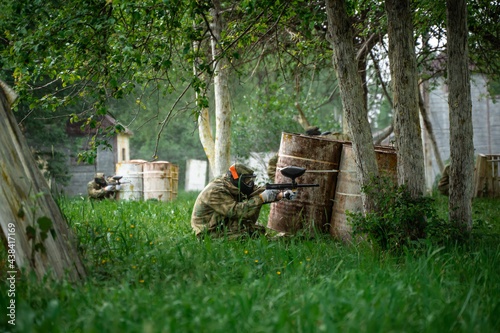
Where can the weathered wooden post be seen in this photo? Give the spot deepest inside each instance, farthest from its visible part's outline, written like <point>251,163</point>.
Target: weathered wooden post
<point>31,225</point>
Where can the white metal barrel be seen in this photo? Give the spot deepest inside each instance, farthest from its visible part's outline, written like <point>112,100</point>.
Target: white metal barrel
<point>132,189</point>
<point>160,181</point>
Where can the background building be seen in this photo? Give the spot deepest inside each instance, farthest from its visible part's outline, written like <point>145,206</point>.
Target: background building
<point>106,160</point>
<point>485,118</point>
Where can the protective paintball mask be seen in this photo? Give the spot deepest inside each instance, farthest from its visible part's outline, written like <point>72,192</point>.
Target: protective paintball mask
<point>244,181</point>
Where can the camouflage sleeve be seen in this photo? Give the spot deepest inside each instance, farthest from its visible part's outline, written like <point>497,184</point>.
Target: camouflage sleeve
<point>94,192</point>
<point>110,181</point>
<point>224,204</point>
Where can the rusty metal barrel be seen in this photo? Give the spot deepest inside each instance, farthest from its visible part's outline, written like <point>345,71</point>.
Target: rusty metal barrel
<point>348,191</point>
<point>311,209</point>
<point>160,180</point>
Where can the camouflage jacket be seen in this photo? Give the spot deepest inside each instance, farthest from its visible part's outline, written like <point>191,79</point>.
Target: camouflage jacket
<point>220,208</point>
<point>96,191</point>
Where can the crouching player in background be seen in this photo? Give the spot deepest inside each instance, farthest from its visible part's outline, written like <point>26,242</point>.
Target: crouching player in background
<point>100,189</point>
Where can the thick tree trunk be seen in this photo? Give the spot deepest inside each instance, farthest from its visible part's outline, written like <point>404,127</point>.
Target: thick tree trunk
<point>351,92</point>
<point>204,127</point>
<point>25,200</point>
<point>403,65</point>
<point>459,101</point>
<point>206,138</point>
<point>221,94</point>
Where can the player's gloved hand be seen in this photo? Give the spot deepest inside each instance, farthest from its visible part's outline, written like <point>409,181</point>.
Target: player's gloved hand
<point>269,195</point>
<point>289,195</point>
<point>110,188</point>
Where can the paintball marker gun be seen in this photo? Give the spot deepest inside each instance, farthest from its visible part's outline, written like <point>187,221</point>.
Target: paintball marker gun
<point>115,185</point>
<point>291,172</point>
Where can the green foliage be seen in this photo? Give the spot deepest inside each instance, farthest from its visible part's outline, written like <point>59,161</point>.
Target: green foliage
<point>39,229</point>
<point>400,220</point>
<point>494,88</point>
<point>42,228</point>
<point>47,138</point>
<point>101,52</point>
<point>484,36</point>
<point>93,49</point>
<point>177,143</point>
<point>266,108</point>
<point>163,279</point>
<point>257,126</point>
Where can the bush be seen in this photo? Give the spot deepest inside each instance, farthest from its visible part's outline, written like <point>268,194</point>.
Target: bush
<point>400,220</point>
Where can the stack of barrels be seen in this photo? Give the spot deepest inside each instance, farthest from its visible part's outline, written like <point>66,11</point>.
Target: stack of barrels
<point>331,164</point>
<point>143,180</point>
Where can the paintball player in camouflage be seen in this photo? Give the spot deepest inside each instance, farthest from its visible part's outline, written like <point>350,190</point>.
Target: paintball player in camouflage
<point>230,205</point>
<point>100,189</point>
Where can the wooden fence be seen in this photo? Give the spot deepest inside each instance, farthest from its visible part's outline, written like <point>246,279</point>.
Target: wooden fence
<point>487,176</point>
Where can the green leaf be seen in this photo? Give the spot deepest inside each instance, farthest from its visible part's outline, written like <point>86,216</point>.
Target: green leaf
<point>20,212</point>
<point>40,247</point>
<point>44,223</point>
<point>30,232</point>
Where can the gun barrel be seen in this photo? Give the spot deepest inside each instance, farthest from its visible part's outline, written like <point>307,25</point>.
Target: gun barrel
<point>288,186</point>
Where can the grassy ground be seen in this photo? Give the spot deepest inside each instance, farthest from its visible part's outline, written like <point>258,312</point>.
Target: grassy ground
<point>148,273</point>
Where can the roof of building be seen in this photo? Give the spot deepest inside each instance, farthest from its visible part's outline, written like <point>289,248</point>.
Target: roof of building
<point>104,122</point>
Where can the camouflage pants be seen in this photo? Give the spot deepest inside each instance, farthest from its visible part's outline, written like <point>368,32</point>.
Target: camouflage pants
<point>236,230</point>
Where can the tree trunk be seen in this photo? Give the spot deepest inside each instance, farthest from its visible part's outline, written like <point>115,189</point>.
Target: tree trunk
<point>384,135</point>
<point>459,101</point>
<point>403,65</point>
<point>301,118</point>
<point>389,129</point>
<point>25,200</point>
<point>362,77</point>
<point>204,127</point>
<point>351,92</point>
<point>430,131</point>
<point>221,94</point>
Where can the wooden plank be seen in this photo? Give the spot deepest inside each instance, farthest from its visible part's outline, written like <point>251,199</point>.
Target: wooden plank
<point>494,161</point>
<point>480,175</point>
<point>489,179</point>
<point>23,189</point>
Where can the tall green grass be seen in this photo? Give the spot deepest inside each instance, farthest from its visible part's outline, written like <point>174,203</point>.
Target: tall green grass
<point>147,272</point>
